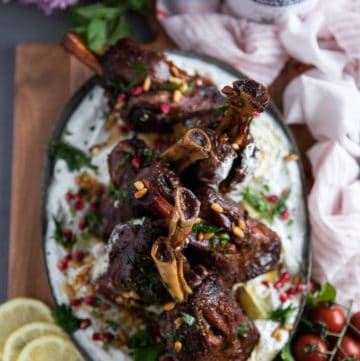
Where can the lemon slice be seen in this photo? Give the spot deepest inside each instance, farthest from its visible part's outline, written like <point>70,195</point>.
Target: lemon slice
<point>50,348</point>
<point>18,312</point>
<point>254,306</point>
<point>23,335</point>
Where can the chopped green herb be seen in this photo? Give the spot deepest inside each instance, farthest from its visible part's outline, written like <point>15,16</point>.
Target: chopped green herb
<point>206,228</point>
<point>74,157</point>
<point>327,293</point>
<point>212,244</point>
<point>266,187</point>
<point>280,205</point>
<point>126,159</point>
<point>58,234</point>
<point>112,324</point>
<point>117,194</point>
<point>105,346</point>
<point>92,219</point>
<point>68,132</point>
<point>169,86</point>
<point>256,202</point>
<point>148,154</point>
<point>166,285</point>
<point>222,109</point>
<point>290,222</point>
<point>286,354</point>
<point>282,314</point>
<point>227,348</point>
<point>188,319</point>
<point>65,318</point>
<point>190,85</point>
<point>139,68</point>
<point>242,329</point>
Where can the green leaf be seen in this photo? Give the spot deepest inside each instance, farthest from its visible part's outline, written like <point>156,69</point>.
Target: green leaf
<point>286,354</point>
<point>206,228</point>
<point>113,325</point>
<point>282,314</point>
<point>327,293</point>
<point>188,319</point>
<point>169,86</point>
<point>256,202</point>
<point>65,318</point>
<point>96,34</point>
<point>140,6</point>
<point>118,30</point>
<point>98,10</point>
<point>242,329</point>
<point>58,234</point>
<point>74,157</point>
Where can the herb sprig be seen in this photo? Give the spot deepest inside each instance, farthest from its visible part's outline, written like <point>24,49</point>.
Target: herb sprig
<point>65,318</point>
<point>282,314</point>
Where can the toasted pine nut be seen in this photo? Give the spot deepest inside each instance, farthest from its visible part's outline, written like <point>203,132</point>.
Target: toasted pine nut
<point>292,156</point>
<point>141,193</point>
<point>169,306</point>
<point>208,235</point>
<point>174,71</point>
<point>238,232</point>
<point>277,334</point>
<point>147,84</point>
<point>177,95</point>
<point>178,322</point>
<point>241,224</point>
<point>139,185</point>
<point>200,236</point>
<point>217,207</point>
<point>177,346</point>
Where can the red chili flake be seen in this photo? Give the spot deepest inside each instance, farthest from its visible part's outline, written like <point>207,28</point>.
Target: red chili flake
<point>161,12</point>
<point>299,67</point>
<point>272,198</point>
<point>137,90</point>
<point>122,129</point>
<point>107,337</point>
<point>256,115</point>
<point>69,196</point>
<point>278,284</point>
<point>85,323</point>
<point>136,162</point>
<point>266,283</point>
<point>97,336</point>
<point>68,234</point>
<point>93,207</point>
<point>300,288</point>
<point>284,297</point>
<point>76,302</point>
<point>165,108</point>
<point>285,215</point>
<point>90,300</point>
<point>62,265</point>
<point>199,82</point>
<point>77,256</point>
<point>291,291</point>
<point>121,97</point>
<point>285,276</point>
<point>82,224</point>
<point>79,205</point>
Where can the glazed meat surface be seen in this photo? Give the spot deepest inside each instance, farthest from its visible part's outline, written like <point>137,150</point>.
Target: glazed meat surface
<point>213,327</point>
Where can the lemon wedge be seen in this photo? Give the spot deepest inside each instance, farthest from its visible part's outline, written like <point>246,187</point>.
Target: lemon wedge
<point>25,334</point>
<point>18,312</point>
<point>46,348</point>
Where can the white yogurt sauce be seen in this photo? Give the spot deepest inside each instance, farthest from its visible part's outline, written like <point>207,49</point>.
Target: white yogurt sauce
<point>86,128</point>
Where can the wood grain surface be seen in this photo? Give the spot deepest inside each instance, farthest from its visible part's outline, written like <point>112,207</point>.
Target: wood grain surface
<point>46,76</point>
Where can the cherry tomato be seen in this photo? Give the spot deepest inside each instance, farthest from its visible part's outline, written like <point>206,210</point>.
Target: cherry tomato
<point>348,347</point>
<point>355,322</point>
<point>332,316</point>
<point>309,348</point>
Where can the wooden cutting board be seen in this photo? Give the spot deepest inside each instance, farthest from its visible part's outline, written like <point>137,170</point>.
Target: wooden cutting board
<point>46,76</point>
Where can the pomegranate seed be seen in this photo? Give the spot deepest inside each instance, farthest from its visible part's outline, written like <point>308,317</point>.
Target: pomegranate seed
<point>97,336</point>
<point>68,234</point>
<point>278,284</point>
<point>121,97</point>
<point>300,288</point>
<point>284,297</point>
<point>291,291</point>
<point>285,276</point>
<point>266,283</point>
<point>107,337</point>
<point>93,207</point>
<point>157,144</point>
<point>285,215</point>
<point>76,302</point>
<point>136,162</point>
<point>122,129</point>
<point>77,256</point>
<point>90,300</point>
<point>256,115</point>
<point>69,196</point>
<point>198,82</point>
<point>85,323</point>
<point>136,90</point>
<point>82,224</point>
<point>273,198</point>
<point>62,265</point>
<point>100,191</point>
<point>165,108</point>
<point>79,205</point>
<point>68,258</point>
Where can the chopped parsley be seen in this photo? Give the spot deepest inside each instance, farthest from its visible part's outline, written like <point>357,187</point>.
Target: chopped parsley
<point>65,318</point>
<point>139,68</point>
<point>188,319</point>
<point>74,157</point>
<point>222,109</point>
<point>280,205</point>
<point>170,86</point>
<point>126,159</point>
<point>148,154</point>
<point>243,329</point>
<point>117,194</point>
<point>206,228</point>
<point>113,325</point>
<point>59,236</point>
<point>256,202</point>
<point>282,314</point>
<point>92,219</point>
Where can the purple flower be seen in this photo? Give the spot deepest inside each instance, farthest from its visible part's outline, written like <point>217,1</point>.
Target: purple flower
<point>49,5</point>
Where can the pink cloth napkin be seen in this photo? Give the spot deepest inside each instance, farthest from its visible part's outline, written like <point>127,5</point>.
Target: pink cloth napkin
<point>327,99</point>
